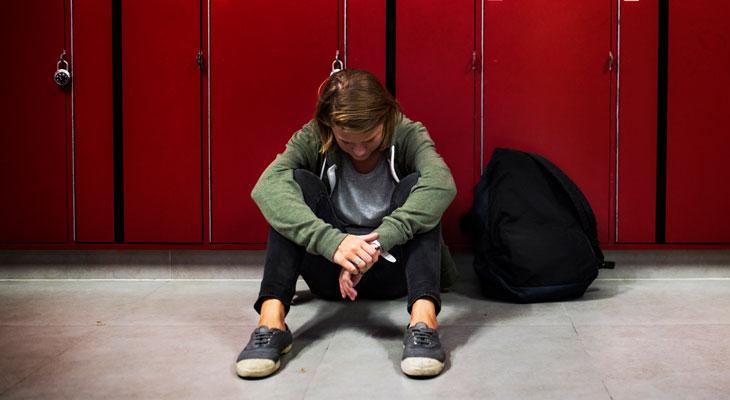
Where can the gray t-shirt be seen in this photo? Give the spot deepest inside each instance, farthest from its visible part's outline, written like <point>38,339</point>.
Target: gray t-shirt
<point>362,200</point>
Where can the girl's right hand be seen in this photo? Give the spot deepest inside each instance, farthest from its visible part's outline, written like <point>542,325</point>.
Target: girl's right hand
<point>355,254</point>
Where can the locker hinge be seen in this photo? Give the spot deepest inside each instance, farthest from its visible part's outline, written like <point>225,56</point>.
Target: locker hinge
<point>200,60</point>
<point>475,65</point>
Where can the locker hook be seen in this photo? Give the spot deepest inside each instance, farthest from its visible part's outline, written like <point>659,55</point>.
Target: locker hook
<point>337,64</point>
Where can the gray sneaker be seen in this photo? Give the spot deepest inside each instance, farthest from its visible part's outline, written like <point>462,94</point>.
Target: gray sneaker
<point>261,356</point>
<point>422,352</point>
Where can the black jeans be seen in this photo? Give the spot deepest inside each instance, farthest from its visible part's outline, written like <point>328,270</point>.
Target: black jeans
<point>416,272</point>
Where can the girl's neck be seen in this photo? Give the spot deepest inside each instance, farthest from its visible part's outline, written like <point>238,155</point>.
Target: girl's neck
<point>365,166</point>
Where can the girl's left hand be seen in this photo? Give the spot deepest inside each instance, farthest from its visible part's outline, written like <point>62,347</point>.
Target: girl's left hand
<point>348,283</point>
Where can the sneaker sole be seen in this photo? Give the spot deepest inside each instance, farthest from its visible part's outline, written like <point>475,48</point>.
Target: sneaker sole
<point>259,367</point>
<point>421,366</point>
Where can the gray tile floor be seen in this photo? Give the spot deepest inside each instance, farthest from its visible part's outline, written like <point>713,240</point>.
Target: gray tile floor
<point>643,331</point>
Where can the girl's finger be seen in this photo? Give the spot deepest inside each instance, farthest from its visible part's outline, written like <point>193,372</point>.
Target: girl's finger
<point>344,277</point>
<point>350,290</point>
<point>365,257</point>
<point>368,248</point>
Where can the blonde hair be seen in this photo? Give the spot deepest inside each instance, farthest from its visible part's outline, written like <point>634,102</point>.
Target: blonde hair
<point>355,100</point>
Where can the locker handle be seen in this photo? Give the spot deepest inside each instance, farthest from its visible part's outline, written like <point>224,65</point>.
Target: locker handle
<point>200,60</point>
<point>610,60</point>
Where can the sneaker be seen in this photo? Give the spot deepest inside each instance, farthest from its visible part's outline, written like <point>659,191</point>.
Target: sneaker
<point>261,355</point>
<point>422,352</point>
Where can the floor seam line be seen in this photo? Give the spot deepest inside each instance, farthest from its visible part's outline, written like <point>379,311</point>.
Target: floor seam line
<point>319,363</point>
<point>35,371</point>
<point>687,279</point>
<point>588,355</point>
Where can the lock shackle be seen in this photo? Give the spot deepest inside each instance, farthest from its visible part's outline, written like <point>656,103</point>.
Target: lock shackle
<point>337,64</point>
<point>62,59</point>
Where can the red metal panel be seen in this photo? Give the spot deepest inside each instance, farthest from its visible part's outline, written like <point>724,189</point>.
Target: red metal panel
<point>162,121</point>
<point>267,62</point>
<point>638,123</point>
<point>547,88</point>
<point>366,36</point>
<point>33,142</point>
<point>93,121</point>
<point>435,85</point>
<point>206,123</point>
<point>698,137</point>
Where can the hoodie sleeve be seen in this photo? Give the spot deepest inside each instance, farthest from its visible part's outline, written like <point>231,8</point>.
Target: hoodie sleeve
<point>429,197</point>
<point>280,199</point>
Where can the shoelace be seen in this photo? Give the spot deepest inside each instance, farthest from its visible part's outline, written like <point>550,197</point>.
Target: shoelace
<point>262,338</point>
<point>421,338</point>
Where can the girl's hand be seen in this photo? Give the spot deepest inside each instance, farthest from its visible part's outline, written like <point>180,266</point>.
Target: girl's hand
<point>348,283</point>
<point>355,254</point>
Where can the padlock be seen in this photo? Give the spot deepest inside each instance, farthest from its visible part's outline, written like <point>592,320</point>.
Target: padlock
<point>62,77</point>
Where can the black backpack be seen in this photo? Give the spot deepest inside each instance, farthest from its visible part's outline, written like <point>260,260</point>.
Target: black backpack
<point>535,232</point>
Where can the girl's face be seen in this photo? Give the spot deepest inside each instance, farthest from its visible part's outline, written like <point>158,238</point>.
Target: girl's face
<point>359,145</point>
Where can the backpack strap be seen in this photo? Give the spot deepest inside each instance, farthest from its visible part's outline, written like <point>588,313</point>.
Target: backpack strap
<point>607,265</point>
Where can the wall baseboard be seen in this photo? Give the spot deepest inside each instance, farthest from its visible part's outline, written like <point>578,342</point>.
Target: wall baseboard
<point>248,264</point>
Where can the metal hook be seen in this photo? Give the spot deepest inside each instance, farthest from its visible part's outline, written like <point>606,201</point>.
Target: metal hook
<point>62,60</point>
<point>335,64</point>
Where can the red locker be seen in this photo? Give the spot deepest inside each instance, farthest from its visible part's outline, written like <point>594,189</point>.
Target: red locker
<point>435,82</point>
<point>366,36</point>
<point>162,121</point>
<point>698,117</point>
<point>637,139</point>
<point>94,148</point>
<point>267,62</point>
<point>33,109</point>
<point>548,89</point>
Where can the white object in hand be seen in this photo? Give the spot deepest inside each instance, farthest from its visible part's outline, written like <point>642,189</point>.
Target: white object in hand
<point>385,254</point>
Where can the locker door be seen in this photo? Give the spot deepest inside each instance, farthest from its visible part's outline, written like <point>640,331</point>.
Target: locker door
<point>637,142</point>
<point>698,137</point>
<point>267,61</point>
<point>547,88</point>
<point>435,85</point>
<point>162,121</point>
<point>366,36</point>
<point>93,119</point>
<point>34,137</point>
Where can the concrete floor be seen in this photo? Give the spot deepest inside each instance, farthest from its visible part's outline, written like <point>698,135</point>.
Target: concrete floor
<point>644,331</point>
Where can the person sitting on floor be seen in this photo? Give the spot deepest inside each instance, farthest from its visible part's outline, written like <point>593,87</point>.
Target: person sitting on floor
<point>357,185</point>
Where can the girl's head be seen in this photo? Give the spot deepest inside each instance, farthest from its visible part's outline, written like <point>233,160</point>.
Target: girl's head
<point>356,113</point>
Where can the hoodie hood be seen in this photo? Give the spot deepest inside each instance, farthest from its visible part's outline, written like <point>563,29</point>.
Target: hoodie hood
<point>328,170</point>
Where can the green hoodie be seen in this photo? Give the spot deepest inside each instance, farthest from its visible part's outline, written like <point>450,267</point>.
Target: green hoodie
<point>280,199</point>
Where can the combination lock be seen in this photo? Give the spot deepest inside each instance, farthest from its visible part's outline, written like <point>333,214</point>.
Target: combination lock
<point>62,77</point>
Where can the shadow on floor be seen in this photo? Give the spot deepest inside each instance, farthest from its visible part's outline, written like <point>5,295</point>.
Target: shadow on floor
<point>367,317</point>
